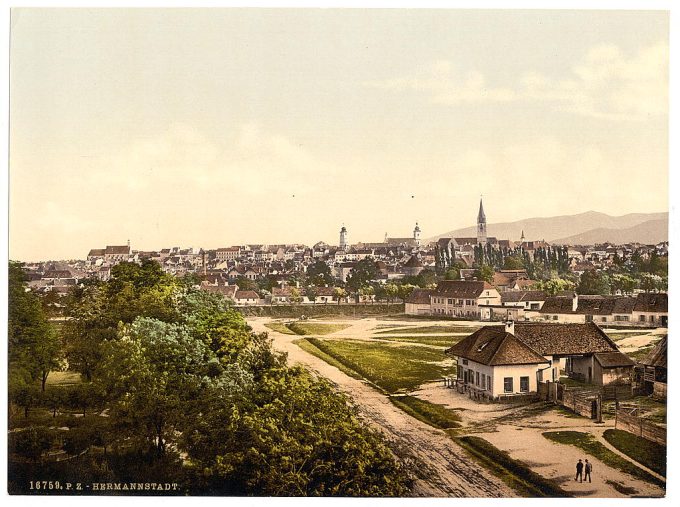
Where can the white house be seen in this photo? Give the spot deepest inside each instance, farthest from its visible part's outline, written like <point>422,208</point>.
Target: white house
<point>418,302</point>
<point>459,298</point>
<point>510,360</point>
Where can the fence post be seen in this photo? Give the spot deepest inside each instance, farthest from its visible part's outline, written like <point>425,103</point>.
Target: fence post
<point>599,408</point>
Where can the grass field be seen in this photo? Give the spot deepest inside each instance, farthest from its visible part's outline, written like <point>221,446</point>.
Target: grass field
<point>620,336</point>
<point>279,327</point>
<point>391,367</point>
<point>587,443</point>
<point>449,328</point>
<point>649,454</point>
<point>515,474</point>
<point>435,341</point>
<point>437,416</point>
<point>63,378</point>
<point>315,328</point>
<point>306,345</point>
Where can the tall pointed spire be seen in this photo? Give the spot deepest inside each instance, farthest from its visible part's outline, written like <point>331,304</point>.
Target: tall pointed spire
<point>481,224</point>
<point>481,217</point>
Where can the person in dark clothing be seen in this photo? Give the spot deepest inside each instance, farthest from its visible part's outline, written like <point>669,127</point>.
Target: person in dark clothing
<point>588,469</point>
<point>579,471</point>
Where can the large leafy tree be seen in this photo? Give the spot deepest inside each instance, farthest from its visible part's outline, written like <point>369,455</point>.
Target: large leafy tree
<point>362,274</point>
<point>150,375</point>
<point>34,348</point>
<point>298,439</point>
<point>594,282</point>
<point>319,274</point>
<point>96,309</point>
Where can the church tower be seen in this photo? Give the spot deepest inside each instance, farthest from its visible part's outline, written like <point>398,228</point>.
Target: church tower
<point>481,225</point>
<point>416,234</point>
<point>343,238</point>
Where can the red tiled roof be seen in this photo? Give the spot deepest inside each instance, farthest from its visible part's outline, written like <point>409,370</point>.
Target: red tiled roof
<point>419,297</point>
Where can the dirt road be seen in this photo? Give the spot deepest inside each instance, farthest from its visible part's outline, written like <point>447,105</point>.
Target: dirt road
<point>446,470</point>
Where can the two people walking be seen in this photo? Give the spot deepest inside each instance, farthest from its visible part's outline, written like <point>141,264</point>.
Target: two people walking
<point>580,468</point>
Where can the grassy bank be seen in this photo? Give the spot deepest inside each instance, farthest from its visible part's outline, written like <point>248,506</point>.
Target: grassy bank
<point>437,416</point>
<point>433,341</point>
<point>391,367</point>
<point>514,473</point>
<point>588,443</point>
<point>279,327</point>
<point>307,346</point>
<point>649,454</point>
<point>321,310</point>
<point>430,329</point>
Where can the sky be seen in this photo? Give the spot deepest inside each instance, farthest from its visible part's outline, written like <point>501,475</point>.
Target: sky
<point>211,128</point>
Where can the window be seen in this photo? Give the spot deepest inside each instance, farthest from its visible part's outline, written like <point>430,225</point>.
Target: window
<point>604,319</point>
<point>651,318</point>
<point>524,384</point>
<point>465,361</point>
<point>554,317</point>
<point>589,318</point>
<point>483,381</point>
<point>642,318</point>
<point>507,385</point>
<point>459,373</point>
<point>477,378</point>
<point>450,301</point>
<point>488,382</point>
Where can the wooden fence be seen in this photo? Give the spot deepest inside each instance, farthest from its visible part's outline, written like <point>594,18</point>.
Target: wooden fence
<point>628,419</point>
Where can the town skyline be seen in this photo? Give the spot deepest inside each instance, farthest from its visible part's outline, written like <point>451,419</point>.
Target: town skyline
<point>279,126</point>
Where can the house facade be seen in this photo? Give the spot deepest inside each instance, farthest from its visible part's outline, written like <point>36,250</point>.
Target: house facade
<point>511,360</point>
<point>459,298</point>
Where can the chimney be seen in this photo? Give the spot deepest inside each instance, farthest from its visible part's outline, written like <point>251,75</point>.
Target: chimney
<point>510,327</point>
<point>574,302</point>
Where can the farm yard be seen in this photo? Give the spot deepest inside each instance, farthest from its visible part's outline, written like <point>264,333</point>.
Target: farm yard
<point>393,369</point>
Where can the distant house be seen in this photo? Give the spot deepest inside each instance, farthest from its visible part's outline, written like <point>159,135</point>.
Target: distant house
<point>644,309</point>
<point>418,302</point>
<point>507,279</point>
<point>227,254</point>
<point>512,359</point>
<point>520,305</point>
<point>458,298</point>
<point>651,309</point>
<point>246,297</point>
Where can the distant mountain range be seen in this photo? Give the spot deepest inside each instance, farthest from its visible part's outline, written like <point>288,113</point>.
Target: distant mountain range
<point>586,228</point>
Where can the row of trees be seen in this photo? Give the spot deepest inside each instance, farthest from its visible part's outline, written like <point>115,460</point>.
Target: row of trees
<point>178,372</point>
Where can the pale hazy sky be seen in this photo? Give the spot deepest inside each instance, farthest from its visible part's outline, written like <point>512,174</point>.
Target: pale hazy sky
<point>218,127</point>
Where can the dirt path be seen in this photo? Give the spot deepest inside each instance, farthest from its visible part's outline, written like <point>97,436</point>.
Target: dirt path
<point>519,432</point>
<point>447,470</point>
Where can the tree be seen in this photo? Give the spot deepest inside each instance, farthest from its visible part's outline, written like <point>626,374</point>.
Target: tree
<point>360,275</point>
<point>391,291</point>
<point>513,262</point>
<point>319,274</point>
<point>485,273</point>
<point>310,292</point>
<point>150,374</point>
<point>31,442</point>
<point>554,286</point>
<point>34,347</point>
<point>96,309</point>
<point>300,438</point>
<point>404,291</point>
<point>339,293</point>
<point>295,295</point>
<point>592,282</point>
